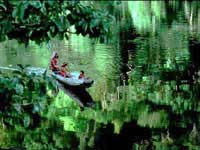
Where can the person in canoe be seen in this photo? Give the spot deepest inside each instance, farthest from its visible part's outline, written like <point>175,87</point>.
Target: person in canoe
<point>82,75</point>
<point>64,71</point>
<point>54,63</point>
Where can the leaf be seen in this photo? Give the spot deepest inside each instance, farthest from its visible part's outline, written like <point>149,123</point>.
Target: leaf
<point>30,84</point>
<point>26,121</point>
<point>27,65</point>
<point>43,9</point>
<point>7,26</point>
<point>3,6</point>
<point>53,31</point>
<point>36,108</point>
<point>36,4</point>
<point>20,66</point>
<point>69,123</point>
<point>94,23</point>
<point>2,38</point>
<point>51,2</point>
<point>61,23</point>
<point>85,26</point>
<point>66,37</point>
<point>15,12</point>
<point>91,30</point>
<point>61,36</point>
<point>17,72</point>
<point>9,120</point>
<point>105,28</point>
<point>15,80</point>
<point>17,107</point>
<point>19,89</point>
<point>19,11</point>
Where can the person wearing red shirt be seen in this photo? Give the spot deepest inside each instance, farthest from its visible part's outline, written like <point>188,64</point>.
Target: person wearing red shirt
<point>64,71</point>
<point>54,63</point>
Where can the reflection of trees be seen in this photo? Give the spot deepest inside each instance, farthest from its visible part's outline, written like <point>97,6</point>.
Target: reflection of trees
<point>157,102</point>
<point>14,53</point>
<point>181,108</point>
<point>192,14</point>
<point>163,76</point>
<point>148,15</point>
<point>49,135</point>
<point>194,46</point>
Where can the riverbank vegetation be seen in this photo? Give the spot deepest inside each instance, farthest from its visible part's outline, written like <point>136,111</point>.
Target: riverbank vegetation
<point>40,21</point>
<point>153,101</point>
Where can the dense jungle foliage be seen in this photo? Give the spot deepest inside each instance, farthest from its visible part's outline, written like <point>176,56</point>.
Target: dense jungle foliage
<point>40,21</point>
<point>147,96</point>
<point>25,98</point>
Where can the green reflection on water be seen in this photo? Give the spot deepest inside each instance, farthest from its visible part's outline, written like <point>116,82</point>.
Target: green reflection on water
<point>153,97</point>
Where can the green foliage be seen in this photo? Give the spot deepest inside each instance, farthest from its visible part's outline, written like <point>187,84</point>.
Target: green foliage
<point>23,96</point>
<point>149,100</point>
<point>49,135</point>
<point>41,20</point>
<point>24,102</point>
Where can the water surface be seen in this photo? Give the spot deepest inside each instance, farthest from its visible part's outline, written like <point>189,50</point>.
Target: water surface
<point>157,55</point>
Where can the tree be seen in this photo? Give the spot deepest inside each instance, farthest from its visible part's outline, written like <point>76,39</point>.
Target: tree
<point>43,19</point>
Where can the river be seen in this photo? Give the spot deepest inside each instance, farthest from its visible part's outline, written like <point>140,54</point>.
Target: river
<point>147,81</point>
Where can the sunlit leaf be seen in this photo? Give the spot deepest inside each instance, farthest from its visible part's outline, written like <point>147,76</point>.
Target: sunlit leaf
<point>36,108</point>
<point>51,2</point>
<point>36,4</point>
<point>62,23</point>
<point>3,6</point>
<point>26,121</point>
<point>19,11</point>
<point>17,107</point>
<point>19,89</point>
<point>69,123</point>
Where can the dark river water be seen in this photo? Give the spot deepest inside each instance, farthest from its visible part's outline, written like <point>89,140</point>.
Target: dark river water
<point>147,78</point>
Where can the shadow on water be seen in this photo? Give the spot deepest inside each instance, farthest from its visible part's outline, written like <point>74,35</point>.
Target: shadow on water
<point>127,35</point>
<point>127,48</point>
<point>194,46</point>
<point>130,133</point>
<point>78,93</point>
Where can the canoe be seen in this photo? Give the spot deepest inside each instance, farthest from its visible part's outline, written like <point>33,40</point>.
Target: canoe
<point>74,87</point>
<point>73,80</point>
